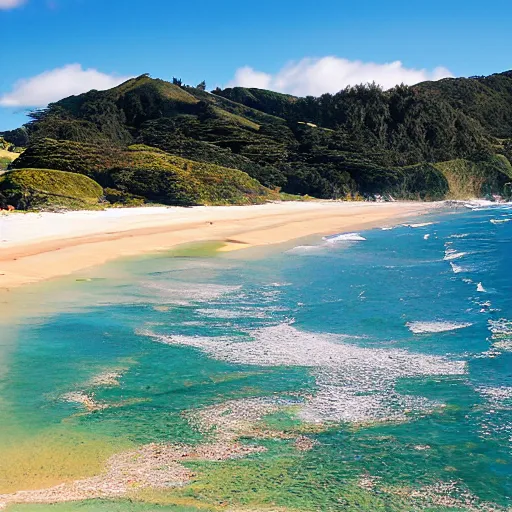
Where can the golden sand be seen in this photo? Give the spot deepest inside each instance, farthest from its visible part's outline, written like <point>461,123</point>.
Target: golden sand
<point>34,249</point>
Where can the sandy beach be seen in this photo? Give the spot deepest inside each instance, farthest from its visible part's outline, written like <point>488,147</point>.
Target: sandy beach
<point>40,246</point>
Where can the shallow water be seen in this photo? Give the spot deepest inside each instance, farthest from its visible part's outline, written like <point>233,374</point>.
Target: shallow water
<point>390,349</point>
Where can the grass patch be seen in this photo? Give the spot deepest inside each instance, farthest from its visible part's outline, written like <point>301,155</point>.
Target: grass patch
<point>38,188</point>
<point>6,158</point>
<point>242,121</point>
<point>469,180</point>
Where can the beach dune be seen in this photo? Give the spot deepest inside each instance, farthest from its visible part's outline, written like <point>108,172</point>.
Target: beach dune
<point>39,246</point>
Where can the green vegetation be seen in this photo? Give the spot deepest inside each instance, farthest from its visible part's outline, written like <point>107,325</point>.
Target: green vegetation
<point>477,179</point>
<point>37,188</point>
<point>433,140</point>
<point>141,173</point>
<point>6,158</point>
<point>166,178</point>
<point>8,153</point>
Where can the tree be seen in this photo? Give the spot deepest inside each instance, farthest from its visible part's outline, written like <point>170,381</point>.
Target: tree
<point>201,86</point>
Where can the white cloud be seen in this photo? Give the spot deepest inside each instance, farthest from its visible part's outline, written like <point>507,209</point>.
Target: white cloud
<point>56,84</point>
<point>315,76</point>
<point>10,4</point>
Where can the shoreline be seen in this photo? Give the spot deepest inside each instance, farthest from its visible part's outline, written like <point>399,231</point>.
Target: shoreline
<point>73,241</point>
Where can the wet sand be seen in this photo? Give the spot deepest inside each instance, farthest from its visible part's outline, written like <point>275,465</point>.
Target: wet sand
<point>36,247</point>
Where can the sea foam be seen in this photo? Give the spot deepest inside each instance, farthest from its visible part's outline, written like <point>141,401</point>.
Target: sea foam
<point>452,254</point>
<point>355,384</point>
<point>480,288</point>
<point>306,249</point>
<point>433,327</point>
<point>345,237</point>
<point>187,293</point>
<point>457,269</point>
<point>418,225</point>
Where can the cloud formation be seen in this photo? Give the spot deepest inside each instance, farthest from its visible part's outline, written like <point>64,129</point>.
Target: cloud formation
<point>56,84</point>
<point>10,4</point>
<point>315,76</point>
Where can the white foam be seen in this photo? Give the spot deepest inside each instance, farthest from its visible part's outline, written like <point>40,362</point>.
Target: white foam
<point>306,249</point>
<point>355,384</point>
<point>503,345</point>
<point>345,237</point>
<point>462,235</point>
<point>452,254</point>
<point>434,327</point>
<point>501,327</point>
<point>184,293</point>
<point>480,288</point>
<point>231,314</point>
<point>457,269</point>
<point>501,337</point>
<point>419,225</point>
<point>500,221</point>
<point>497,395</point>
<point>478,204</point>
<point>426,237</point>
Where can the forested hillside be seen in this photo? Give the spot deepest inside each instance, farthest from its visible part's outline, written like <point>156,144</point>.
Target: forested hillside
<point>148,139</point>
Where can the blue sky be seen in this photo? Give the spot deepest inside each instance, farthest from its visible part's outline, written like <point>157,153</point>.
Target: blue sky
<point>247,43</point>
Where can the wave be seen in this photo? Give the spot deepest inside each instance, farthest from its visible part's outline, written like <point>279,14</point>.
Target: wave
<point>478,203</point>
<point>501,334</point>
<point>344,237</point>
<point>233,314</point>
<point>435,327</point>
<point>354,383</point>
<point>457,269</point>
<point>480,288</point>
<point>483,205</point>
<point>500,328</point>
<point>499,221</point>
<point>305,249</point>
<point>426,237</point>
<point>419,225</point>
<point>496,395</point>
<point>452,254</point>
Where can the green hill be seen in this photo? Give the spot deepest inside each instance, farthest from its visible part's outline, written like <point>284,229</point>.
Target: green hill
<point>360,141</point>
<point>143,173</point>
<point>41,188</point>
<point>477,179</point>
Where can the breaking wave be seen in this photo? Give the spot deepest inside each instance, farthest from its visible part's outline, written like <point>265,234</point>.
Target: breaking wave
<point>452,254</point>
<point>418,225</point>
<point>344,237</point>
<point>305,249</point>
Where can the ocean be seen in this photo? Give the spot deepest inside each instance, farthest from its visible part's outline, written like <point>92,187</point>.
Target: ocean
<point>361,372</point>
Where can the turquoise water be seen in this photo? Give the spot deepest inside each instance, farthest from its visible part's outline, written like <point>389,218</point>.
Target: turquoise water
<point>391,350</point>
